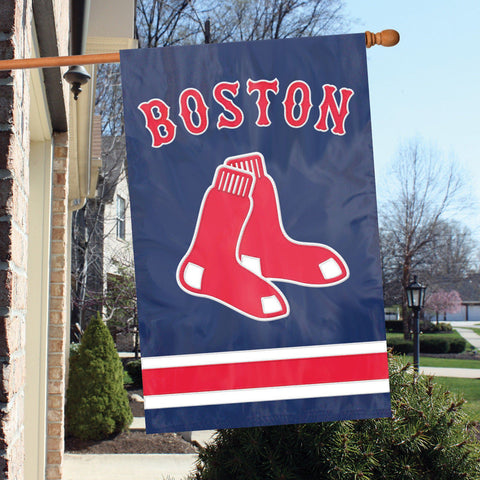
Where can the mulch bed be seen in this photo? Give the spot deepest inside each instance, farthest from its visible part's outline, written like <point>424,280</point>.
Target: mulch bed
<point>134,441</point>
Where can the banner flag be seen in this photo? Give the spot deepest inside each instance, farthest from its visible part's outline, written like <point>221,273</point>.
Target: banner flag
<point>255,234</point>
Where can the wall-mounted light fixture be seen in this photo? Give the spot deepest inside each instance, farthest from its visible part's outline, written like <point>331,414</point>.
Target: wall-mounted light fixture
<point>76,76</point>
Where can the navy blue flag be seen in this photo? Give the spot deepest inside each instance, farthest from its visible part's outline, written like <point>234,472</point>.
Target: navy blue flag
<point>255,233</point>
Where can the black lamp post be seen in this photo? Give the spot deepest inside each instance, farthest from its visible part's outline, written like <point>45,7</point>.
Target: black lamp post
<point>416,300</point>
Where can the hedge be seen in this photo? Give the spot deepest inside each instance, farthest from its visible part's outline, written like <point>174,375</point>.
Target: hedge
<point>436,344</point>
<point>396,326</point>
<point>433,343</point>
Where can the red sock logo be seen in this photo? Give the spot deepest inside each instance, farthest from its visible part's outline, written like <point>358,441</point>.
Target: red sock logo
<point>211,267</point>
<point>266,249</point>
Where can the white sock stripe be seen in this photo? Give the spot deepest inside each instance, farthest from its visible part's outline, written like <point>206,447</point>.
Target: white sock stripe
<point>230,185</point>
<point>240,186</point>
<point>219,182</point>
<point>233,181</point>
<point>235,186</point>
<point>257,166</point>
<point>225,183</point>
<point>246,187</point>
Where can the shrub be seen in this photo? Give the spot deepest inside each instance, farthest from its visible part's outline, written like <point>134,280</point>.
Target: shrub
<point>427,437</point>
<point>134,369</point>
<point>429,343</point>
<point>435,344</point>
<point>127,379</point>
<point>401,346</point>
<point>457,345</point>
<point>97,404</point>
<point>442,327</point>
<point>74,348</point>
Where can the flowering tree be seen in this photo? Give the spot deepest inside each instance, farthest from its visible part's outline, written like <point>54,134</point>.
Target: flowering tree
<point>443,301</point>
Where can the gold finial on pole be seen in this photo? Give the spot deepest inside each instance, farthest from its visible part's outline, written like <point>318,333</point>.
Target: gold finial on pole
<point>387,38</point>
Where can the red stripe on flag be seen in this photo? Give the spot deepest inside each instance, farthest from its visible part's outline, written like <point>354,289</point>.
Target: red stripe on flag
<point>303,371</point>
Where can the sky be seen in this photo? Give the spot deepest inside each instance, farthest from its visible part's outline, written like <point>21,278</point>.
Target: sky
<point>427,86</point>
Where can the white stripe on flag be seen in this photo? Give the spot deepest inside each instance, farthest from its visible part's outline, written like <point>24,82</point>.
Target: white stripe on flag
<point>291,392</point>
<point>285,353</point>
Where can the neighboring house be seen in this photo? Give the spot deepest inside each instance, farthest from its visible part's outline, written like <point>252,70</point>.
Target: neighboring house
<point>108,252</point>
<point>102,248</point>
<point>118,247</point>
<point>117,229</point>
<point>46,172</point>
<point>469,290</point>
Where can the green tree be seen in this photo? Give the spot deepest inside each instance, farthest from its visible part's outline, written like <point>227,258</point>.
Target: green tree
<point>97,403</point>
<point>428,437</point>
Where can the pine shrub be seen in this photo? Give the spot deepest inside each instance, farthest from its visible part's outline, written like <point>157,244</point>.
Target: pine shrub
<point>97,403</point>
<point>428,437</point>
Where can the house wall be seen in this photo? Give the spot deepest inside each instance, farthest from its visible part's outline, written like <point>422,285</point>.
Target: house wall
<point>58,314</point>
<point>36,153</point>
<point>14,190</point>
<point>34,256</point>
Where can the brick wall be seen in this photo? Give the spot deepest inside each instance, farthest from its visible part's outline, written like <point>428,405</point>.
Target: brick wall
<point>57,333</point>
<point>14,145</point>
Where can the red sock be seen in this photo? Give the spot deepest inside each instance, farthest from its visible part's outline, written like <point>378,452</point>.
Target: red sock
<point>211,267</point>
<point>265,247</point>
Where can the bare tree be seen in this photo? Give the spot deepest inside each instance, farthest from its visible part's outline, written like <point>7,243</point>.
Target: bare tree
<point>161,23</point>
<point>451,256</point>
<point>426,189</point>
<point>164,23</point>
<point>273,19</point>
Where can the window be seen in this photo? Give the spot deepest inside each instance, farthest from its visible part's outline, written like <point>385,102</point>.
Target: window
<point>120,217</point>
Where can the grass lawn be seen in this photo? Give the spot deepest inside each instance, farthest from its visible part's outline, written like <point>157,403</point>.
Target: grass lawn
<point>469,389</point>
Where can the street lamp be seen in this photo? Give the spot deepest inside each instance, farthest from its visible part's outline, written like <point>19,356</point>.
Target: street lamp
<point>416,299</point>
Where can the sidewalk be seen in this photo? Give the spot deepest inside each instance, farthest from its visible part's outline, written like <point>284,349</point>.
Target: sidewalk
<point>129,466</point>
<point>450,372</point>
<point>468,334</point>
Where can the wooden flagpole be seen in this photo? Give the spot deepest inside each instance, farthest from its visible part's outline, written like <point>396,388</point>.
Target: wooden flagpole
<point>387,38</point>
